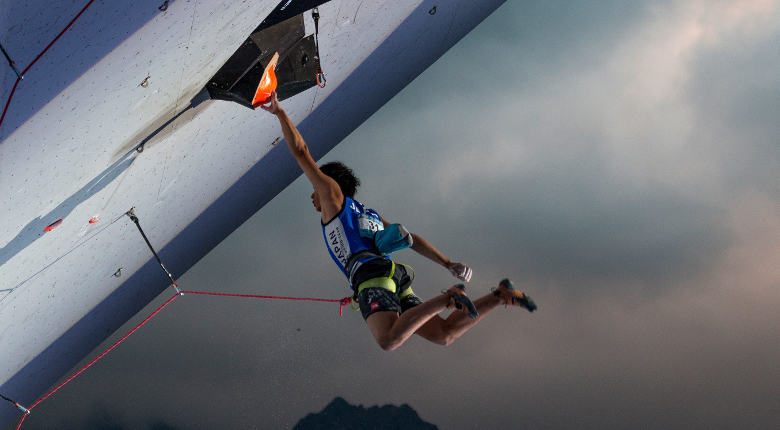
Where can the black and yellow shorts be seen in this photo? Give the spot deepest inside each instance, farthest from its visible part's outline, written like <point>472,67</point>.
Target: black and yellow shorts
<point>385,286</point>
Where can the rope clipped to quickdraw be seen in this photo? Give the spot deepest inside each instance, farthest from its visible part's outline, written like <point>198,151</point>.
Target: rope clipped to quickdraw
<point>16,404</point>
<point>343,302</point>
<point>131,214</point>
<point>12,64</point>
<point>321,81</point>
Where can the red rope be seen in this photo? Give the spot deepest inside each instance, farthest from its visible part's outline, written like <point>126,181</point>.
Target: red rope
<point>21,421</point>
<point>343,302</point>
<point>8,103</point>
<point>106,351</point>
<point>96,359</point>
<point>58,36</point>
<point>39,56</point>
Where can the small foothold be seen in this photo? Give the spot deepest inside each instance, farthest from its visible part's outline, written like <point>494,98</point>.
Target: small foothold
<point>94,220</point>
<point>118,273</point>
<point>139,149</point>
<point>145,83</point>
<point>164,6</point>
<point>276,142</point>
<point>432,11</point>
<point>53,225</point>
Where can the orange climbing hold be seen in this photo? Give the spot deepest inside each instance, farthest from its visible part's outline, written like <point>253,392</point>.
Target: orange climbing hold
<point>267,83</point>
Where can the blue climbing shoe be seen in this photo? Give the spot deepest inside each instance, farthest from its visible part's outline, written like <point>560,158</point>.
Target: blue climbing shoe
<point>460,301</point>
<point>506,290</point>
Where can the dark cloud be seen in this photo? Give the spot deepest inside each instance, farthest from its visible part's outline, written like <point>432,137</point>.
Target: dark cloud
<point>526,41</point>
<point>737,98</point>
<point>573,224</point>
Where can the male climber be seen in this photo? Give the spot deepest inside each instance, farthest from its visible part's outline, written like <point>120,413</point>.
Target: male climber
<point>359,240</point>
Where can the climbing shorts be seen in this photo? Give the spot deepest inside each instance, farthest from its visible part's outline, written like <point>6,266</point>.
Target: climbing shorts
<point>377,299</point>
<point>390,291</point>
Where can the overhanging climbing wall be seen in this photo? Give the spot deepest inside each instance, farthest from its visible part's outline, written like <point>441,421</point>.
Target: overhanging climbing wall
<point>124,74</point>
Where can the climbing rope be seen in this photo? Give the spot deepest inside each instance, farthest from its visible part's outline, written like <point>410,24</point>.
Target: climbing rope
<point>20,76</point>
<point>343,302</point>
<point>131,213</point>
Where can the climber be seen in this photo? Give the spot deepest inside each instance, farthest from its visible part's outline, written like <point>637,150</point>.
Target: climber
<point>359,241</point>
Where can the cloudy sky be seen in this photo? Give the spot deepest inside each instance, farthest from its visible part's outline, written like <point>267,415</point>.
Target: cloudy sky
<point>618,160</point>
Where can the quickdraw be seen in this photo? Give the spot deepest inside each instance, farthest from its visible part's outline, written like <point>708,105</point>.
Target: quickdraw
<point>134,218</point>
<point>16,404</point>
<point>11,63</point>
<point>321,81</point>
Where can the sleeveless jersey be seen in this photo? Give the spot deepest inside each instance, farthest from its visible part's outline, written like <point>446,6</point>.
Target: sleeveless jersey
<point>350,232</point>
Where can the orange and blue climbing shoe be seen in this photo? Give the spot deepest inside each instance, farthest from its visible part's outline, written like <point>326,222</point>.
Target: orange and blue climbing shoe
<point>460,301</point>
<point>506,290</point>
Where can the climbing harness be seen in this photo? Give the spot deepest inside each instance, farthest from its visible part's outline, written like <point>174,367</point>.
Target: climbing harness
<point>321,81</point>
<point>388,282</point>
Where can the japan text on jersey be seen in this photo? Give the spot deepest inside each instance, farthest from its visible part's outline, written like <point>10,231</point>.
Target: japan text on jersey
<point>351,231</point>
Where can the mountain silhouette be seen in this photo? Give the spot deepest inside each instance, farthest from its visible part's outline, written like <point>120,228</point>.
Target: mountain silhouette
<point>340,415</point>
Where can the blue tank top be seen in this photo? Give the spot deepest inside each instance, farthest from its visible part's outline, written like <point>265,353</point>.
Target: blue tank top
<point>351,232</point>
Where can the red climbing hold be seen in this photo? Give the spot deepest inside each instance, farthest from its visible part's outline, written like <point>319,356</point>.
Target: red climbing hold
<point>53,225</point>
<point>94,220</point>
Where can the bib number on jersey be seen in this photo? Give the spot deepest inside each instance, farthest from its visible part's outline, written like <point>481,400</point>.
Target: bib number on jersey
<point>369,225</point>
